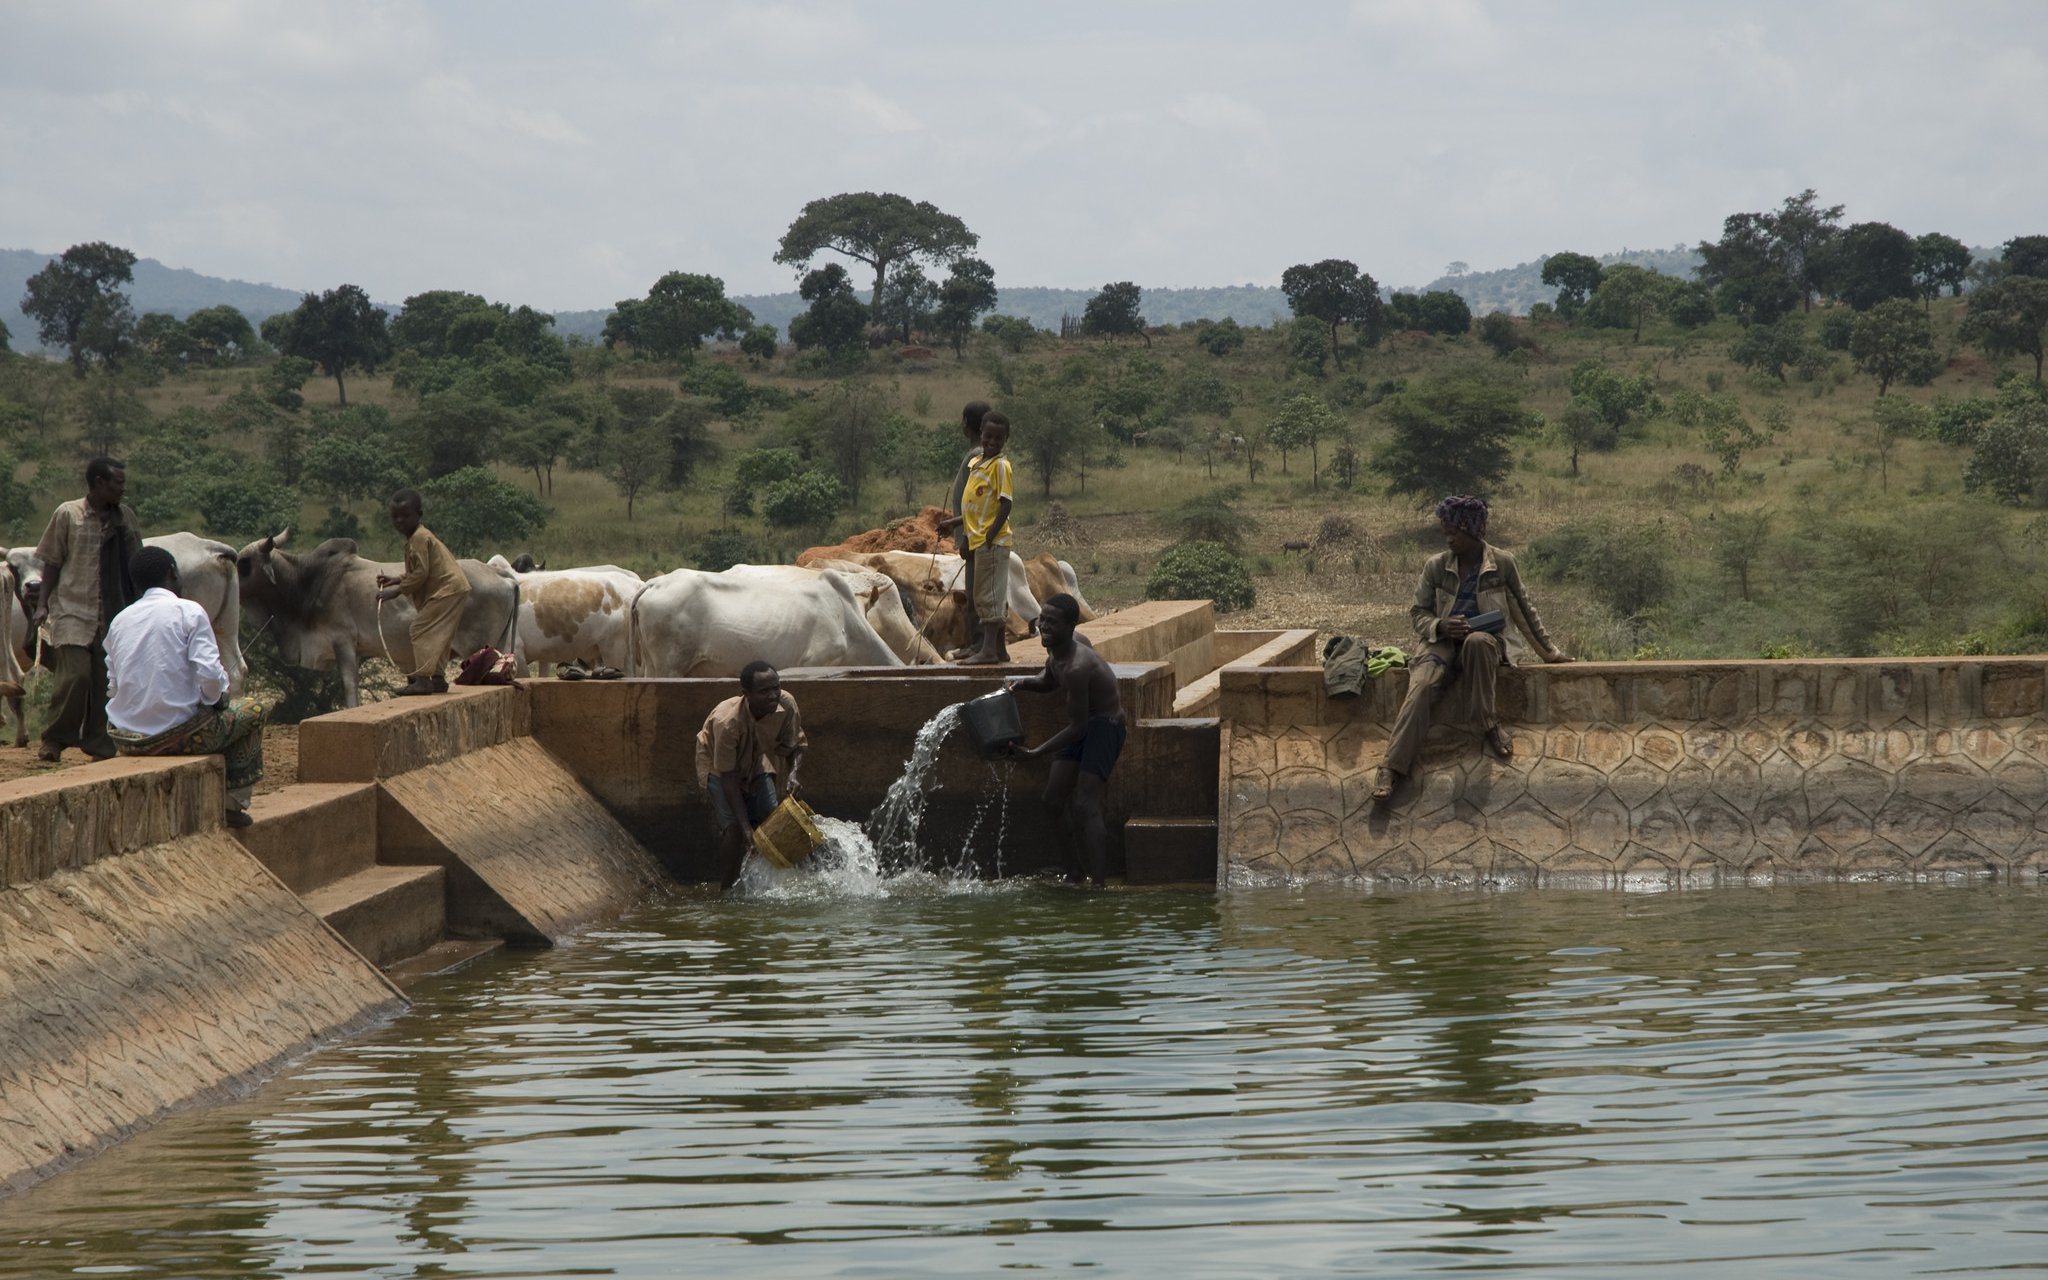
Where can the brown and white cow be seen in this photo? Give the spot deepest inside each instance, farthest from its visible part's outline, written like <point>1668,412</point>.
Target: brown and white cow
<point>1048,575</point>
<point>322,607</point>
<point>576,615</point>
<point>883,602</point>
<point>934,591</point>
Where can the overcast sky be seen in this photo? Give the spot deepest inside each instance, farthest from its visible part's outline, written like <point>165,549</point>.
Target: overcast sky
<point>566,154</point>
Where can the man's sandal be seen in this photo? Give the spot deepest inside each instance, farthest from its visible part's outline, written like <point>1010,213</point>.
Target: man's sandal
<point>1383,784</point>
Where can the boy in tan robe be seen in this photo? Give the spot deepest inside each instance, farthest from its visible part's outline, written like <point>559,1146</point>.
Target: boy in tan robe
<point>435,584</point>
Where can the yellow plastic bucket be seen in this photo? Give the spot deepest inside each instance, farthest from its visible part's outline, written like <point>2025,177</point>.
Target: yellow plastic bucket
<point>789,834</point>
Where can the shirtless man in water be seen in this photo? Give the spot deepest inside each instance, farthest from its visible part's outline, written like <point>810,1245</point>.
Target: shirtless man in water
<point>1086,750</point>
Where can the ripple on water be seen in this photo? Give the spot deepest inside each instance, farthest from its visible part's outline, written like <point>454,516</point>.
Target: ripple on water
<point>850,1073</point>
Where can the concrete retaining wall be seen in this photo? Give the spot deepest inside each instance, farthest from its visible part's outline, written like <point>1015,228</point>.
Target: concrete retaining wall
<point>529,855</point>
<point>147,960</point>
<point>632,743</point>
<point>1652,774</point>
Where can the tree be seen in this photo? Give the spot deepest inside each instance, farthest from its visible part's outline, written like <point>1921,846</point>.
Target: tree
<point>1617,398</point>
<point>109,412</point>
<point>907,301</point>
<point>836,321</point>
<point>1803,231</point>
<point>758,343</point>
<point>629,444</point>
<point>1449,436</point>
<point>1114,312</point>
<point>164,339</point>
<point>2023,256</point>
<point>680,311</point>
<point>351,456</point>
<point>1690,305</point>
<point>2009,318</point>
<point>1723,429</point>
<point>1739,542</point>
<point>1302,422</point>
<point>77,303</point>
<point>1500,333</point>
<point>1770,348</point>
<point>1582,428</point>
<point>424,321</point>
<point>1335,292</point>
<point>1940,260</point>
<point>849,417</point>
<point>1576,276</point>
<point>1438,311</point>
<point>1308,347</point>
<point>1014,333</point>
<point>968,291</point>
<point>338,330</point>
<point>877,229</point>
<point>1892,341</point>
<point>1221,337</point>
<point>1055,432</point>
<point>1869,263</point>
<point>1627,296</point>
<point>2011,455</point>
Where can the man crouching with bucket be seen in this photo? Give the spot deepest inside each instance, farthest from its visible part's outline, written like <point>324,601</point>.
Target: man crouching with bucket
<point>747,756</point>
<point>1467,593</point>
<point>1085,750</point>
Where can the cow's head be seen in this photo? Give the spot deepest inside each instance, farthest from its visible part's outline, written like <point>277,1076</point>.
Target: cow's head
<point>258,558</point>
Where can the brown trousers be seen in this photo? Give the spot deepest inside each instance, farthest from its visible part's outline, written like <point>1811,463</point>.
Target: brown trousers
<point>78,703</point>
<point>1466,672</point>
<point>433,634</point>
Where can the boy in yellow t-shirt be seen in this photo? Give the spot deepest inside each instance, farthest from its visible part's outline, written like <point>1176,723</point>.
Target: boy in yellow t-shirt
<point>985,509</point>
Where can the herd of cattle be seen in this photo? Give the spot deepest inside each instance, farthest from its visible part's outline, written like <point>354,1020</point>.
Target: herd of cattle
<point>836,607</point>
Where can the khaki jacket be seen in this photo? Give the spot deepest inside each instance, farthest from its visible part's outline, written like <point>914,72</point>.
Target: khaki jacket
<point>1500,588</point>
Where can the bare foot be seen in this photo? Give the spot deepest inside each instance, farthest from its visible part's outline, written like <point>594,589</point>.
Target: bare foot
<point>1383,784</point>
<point>980,659</point>
<point>1498,742</point>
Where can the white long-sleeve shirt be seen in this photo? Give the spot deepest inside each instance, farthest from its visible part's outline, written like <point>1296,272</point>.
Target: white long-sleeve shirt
<point>162,664</point>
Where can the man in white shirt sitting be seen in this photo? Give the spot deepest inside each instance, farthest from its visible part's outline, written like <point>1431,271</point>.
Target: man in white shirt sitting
<point>167,692</point>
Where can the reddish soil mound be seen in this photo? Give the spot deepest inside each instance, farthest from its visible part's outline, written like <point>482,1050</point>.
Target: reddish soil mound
<point>916,533</point>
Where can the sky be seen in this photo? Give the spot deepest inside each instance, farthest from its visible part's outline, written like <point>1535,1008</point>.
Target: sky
<point>567,155</point>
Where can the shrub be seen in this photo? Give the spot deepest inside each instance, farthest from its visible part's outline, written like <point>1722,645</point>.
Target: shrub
<point>475,513</point>
<point>1335,530</point>
<point>1212,517</point>
<point>237,507</point>
<point>2011,455</point>
<point>1500,332</point>
<point>1625,567</point>
<point>1221,338</point>
<point>807,499</point>
<point>1450,436</point>
<point>1202,571</point>
<point>721,549</point>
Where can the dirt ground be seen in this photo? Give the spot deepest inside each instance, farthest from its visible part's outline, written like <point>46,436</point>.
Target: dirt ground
<point>280,759</point>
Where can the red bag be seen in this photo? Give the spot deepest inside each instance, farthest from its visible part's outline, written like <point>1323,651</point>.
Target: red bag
<point>488,666</point>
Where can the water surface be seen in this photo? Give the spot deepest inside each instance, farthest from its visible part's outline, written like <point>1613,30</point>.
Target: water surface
<point>918,1077</point>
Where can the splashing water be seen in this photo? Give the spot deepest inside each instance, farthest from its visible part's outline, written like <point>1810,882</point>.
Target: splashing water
<point>882,858</point>
<point>893,826</point>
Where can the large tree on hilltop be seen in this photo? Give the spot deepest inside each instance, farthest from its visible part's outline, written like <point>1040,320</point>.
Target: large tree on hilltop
<point>2010,318</point>
<point>339,330</point>
<point>1576,275</point>
<point>1335,292</point>
<point>877,229</point>
<point>1869,263</point>
<point>1940,260</point>
<point>1115,311</point>
<point>1764,264</point>
<point>77,303</point>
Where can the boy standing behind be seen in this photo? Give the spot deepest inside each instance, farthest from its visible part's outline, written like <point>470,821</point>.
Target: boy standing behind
<point>970,423</point>
<point>438,589</point>
<point>985,510</point>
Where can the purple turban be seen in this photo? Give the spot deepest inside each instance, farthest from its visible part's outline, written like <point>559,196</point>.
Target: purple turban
<point>1464,512</point>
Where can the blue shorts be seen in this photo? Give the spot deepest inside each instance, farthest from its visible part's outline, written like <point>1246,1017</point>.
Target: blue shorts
<point>760,802</point>
<point>1098,747</point>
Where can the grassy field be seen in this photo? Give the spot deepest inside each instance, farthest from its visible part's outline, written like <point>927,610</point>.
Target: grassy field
<point>1865,545</point>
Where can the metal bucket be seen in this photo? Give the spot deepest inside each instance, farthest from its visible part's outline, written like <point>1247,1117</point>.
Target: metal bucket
<point>994,723</point>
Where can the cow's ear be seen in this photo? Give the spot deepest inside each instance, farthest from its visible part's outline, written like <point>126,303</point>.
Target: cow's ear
<point>960,598</point>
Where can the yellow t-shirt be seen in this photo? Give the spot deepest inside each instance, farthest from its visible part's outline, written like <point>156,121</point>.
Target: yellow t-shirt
<point>988,484</point>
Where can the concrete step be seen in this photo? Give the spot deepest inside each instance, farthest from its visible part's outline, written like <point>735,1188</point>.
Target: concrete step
<point>387,913</point>
<point>443,958</point>
<point>312,834</point>
<point>1170,851</point>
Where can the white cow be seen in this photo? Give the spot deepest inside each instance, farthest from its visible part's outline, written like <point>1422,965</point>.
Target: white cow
<point>576,615</point>
<point>881,603</point>
<point>206,577</point>
<point>322,607</point>
<point>691,623</point>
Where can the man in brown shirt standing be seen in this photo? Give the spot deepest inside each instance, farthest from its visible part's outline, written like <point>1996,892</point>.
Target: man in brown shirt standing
<point>438,589</point>
<point>85,552</point>
<point>748,745</point>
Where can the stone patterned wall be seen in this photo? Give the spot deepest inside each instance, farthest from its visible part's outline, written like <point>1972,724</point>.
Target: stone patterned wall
<point>142,982</point>
<point>1651,774</point>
